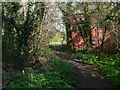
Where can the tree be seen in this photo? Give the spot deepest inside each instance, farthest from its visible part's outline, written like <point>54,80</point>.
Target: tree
<point>22,32</point>
<point>67,11</point>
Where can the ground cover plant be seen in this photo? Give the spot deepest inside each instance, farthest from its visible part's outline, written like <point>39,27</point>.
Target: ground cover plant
<point>108,65</point>
<point>57,74</point>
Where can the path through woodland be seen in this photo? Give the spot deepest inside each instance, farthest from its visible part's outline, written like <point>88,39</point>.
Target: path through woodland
<point>87,76</point>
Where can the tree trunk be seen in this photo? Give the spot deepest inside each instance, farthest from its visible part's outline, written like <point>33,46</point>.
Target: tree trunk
<point>103,38</point>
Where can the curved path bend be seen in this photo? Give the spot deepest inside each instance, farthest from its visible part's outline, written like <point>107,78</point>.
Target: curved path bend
<point>87,76</point>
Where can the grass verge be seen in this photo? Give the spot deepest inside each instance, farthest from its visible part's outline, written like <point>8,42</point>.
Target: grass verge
<point>57,74</point>
<point>108,65</point>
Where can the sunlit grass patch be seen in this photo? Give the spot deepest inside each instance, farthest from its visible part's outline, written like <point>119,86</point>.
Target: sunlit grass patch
<point>57,42</point>
<point>109,65</point>
<point>59,74</point>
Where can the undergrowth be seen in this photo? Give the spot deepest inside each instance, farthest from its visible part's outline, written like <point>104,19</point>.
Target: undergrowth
<point>57,74</point>
<point>109,65</point>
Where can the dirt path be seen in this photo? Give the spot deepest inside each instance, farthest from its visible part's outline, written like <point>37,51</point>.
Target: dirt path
<point>87,76</point>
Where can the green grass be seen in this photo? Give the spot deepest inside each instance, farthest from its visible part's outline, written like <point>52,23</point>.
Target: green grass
<point>109,65</point>
<point>57,42</point>
<point>58,74</point>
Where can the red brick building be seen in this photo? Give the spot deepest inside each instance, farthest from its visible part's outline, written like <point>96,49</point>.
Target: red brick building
<point>97,34</point>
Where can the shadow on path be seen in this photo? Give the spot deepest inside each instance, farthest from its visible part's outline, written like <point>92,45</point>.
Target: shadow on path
<point>87,76</point>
